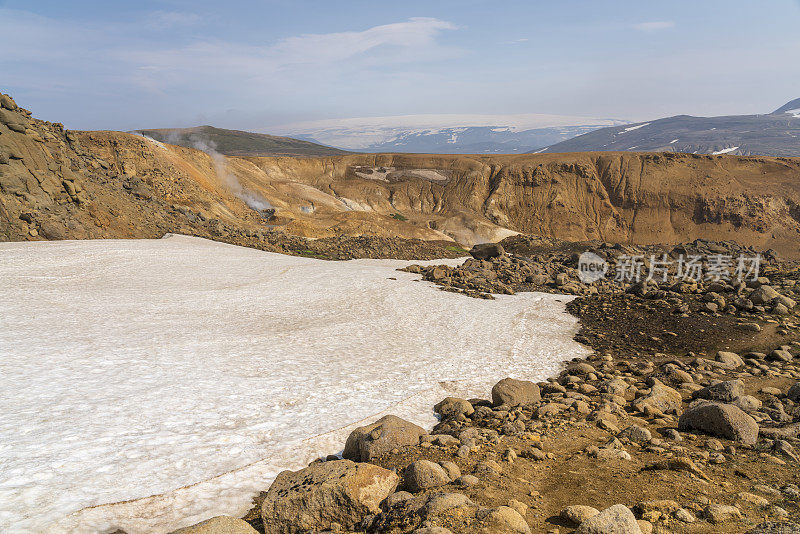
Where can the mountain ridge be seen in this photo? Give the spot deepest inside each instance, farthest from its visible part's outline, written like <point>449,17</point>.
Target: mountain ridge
<point>775,134</point>
<point>60,184</point>
<point>445,133</point>
<point>792,105</point>
<point>238,142</point>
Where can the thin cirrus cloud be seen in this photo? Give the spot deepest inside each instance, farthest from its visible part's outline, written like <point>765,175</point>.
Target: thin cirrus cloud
<point>121,54</point>
<point>291,62</point>
<point>416,33</point>
<point>653,26</point>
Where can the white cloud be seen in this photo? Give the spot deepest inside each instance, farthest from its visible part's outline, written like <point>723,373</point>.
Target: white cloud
<point>653,26</point>
<point>302,59</point>
<point>53,49</point>
<point>413,34</point>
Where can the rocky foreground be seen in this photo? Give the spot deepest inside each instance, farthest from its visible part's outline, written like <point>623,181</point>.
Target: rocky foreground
<point>686,418</point>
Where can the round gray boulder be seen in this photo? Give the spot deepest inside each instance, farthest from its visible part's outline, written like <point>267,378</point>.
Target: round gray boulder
<point>453,407</point>
<point>721,420</point>
<point>424,474</point>
<point>617,519</point>
<point>514,392</point>
<point>372,441</point>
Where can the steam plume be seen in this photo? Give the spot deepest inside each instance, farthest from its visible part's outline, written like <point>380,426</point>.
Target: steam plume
<point>251,198</point>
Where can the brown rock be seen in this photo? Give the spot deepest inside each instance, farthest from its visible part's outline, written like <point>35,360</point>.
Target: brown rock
<point>372,441</point>
<point>577,514</point>
<point>222,524</point>
<point>617,519</point>
<point>721,420</point>
<point>514,392</point>
<point>505,520</point>
<point>313,498</point>
<point>424,474</point>
<point>720,513</point>
<point>453,407</point>
<point>661,397</point>
<point>485,251</point>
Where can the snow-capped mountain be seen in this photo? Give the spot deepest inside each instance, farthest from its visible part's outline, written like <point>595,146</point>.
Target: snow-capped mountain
<point>773,134</point>
<point>792,108</point>
<point>447,134</point>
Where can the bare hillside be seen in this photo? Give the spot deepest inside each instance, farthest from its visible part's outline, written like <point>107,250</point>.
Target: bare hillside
<point>239,143</point>
<point>56,184</point>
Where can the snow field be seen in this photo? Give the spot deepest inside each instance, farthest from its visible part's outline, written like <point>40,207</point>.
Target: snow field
<point>150,384</point>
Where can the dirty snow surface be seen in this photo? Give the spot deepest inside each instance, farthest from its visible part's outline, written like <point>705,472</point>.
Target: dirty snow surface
<point>181,375</point>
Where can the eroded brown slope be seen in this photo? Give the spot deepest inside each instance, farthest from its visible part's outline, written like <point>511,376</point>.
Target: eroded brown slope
<point>618,197</point>
<point>56,184</point>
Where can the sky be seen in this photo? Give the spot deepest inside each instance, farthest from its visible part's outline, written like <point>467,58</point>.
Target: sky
<point>122,65</point>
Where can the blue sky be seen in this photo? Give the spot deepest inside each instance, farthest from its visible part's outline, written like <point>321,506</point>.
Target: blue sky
<point>124,65</point>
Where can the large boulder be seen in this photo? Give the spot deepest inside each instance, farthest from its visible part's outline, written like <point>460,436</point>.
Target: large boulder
<point>424,474</point>
<point>728,360</point>
<point>794,392</point>
<point>617,519</point>
<point>6,102</point>
<point>579,369</point>
<point>372,441</point>
<point>661,397</point>
<point>505,520</point>
<point>487,251</point>
<point>323,493</point>
<point>614,386</point>
<point>720,513</point>
<point>453,407</point>
<point>636,434</point>
<point>763,295</point>
<point>723,391</point>
<point>514,392</point>
<point>222,524</point>
<point>578,513</point>
<point>439,504</point>
<point>779,355</point>
<point>721,420</point>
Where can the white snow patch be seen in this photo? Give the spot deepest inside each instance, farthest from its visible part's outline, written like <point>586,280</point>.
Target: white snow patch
<point>725,151</point>
<point>181,375</point>
<point>794,113</point>
<point>635,127</point>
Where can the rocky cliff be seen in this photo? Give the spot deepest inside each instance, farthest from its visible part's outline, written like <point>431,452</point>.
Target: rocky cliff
<point>57,184</point>
<point>615,197</point>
